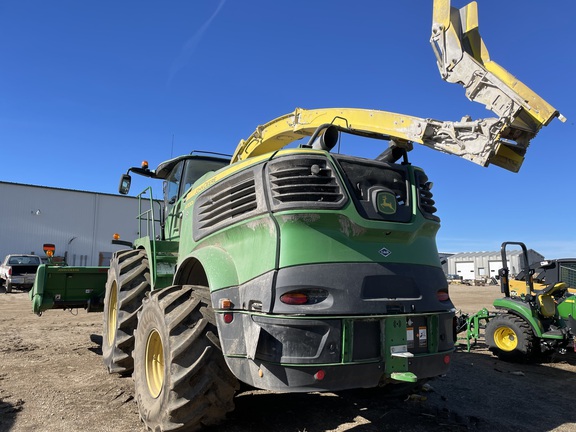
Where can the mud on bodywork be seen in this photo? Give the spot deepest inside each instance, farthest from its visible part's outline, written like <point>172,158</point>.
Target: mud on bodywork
<point>403,328</point>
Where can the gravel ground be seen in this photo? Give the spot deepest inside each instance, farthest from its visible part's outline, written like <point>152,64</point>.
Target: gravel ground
<point>52,379</point>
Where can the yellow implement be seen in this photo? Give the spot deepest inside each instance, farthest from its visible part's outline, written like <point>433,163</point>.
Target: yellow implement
<point>462,58</point>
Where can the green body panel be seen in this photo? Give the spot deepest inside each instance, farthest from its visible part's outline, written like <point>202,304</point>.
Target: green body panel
<point>163,256</point>
<point>241,256</point>
<point>300,237</point>
<point>317,237</point>
<point>308,238</point>
<point>567,308</point>
<point>396,343</point>
<point>344,236</point>
<point>227,255</point>
<point>63,287</point>
<point>238,253</point>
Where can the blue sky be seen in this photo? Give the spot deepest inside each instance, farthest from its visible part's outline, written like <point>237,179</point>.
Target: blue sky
<point>89,88</point>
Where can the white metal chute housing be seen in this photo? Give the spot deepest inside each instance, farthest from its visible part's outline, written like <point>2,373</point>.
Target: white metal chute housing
<point>462,58</point>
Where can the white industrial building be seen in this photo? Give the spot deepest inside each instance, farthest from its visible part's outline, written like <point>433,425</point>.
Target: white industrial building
<point>485,265</point>
<point>80,224</point>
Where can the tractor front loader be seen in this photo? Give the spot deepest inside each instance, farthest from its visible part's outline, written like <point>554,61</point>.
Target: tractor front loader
<point>301,269</point>
<point>548,272</point>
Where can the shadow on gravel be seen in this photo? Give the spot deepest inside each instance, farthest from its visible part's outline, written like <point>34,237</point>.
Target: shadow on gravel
<point>480,394</point>
<point>96,339</point>
<point>8,412</point>
<point>314,412</point>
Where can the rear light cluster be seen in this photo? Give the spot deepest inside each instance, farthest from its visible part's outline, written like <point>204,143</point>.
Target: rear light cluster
<point>442,295</point>
<point>304,297</point>
<point>227,304</point>
<point>319,376</point>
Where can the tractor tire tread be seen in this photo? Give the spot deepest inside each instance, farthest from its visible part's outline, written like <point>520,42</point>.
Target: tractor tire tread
<point>526,348</point>
<point>200,388</point>
<point>131,270</point>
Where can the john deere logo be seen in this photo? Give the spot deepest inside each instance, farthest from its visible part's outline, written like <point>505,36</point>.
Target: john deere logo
<point>386,203</point>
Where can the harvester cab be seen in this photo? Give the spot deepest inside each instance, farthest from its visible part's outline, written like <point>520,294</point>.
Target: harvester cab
<point>530,319</point>
<point>178,174</point>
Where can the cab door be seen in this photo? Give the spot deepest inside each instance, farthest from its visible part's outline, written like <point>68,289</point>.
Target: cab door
<point>173,202</point>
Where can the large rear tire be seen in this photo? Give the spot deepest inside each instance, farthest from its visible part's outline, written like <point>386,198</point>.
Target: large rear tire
<point>181,379</point>
<point>510,338</point>
<point>8,287</point>
<point>127,285</point>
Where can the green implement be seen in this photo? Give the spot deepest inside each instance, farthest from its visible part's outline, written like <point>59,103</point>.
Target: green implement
<point>63,287</point>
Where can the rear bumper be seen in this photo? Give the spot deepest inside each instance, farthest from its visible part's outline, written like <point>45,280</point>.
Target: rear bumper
<point>26,281</point>
<point>270,376</point>
<point>335,353</point>
<point>376,323</point>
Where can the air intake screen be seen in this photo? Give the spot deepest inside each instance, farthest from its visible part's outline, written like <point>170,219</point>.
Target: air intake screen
<point>304,182</point>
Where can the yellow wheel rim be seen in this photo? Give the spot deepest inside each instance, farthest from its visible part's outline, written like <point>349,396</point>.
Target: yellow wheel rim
<point>154,363</point>
<point>112,313</point>
<point>505,339</point>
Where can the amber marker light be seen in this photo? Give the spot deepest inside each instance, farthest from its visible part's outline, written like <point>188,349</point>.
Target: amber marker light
<point>227,304</point>
<point>115,236</point>
<point>144,164</point>
<point>49,249</point>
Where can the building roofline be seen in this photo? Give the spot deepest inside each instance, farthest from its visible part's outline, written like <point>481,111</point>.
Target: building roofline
<point>67,189</point>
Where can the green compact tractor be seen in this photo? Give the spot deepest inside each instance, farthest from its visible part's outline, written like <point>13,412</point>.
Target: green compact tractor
<point>528,321</point>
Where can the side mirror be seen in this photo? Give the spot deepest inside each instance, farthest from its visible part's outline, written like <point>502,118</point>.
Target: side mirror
<point>125,182</point>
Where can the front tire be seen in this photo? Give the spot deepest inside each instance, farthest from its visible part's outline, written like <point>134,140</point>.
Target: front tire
<point>127,285</point>
<point>510,337</point>
<point>181,379</point>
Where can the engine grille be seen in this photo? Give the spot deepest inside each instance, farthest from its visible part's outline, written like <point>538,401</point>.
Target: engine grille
<point>426,203</point>
<point>302,181</point>
<point>224,204</point>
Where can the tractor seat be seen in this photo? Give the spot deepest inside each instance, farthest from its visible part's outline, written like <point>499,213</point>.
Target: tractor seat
<point>546,301</point>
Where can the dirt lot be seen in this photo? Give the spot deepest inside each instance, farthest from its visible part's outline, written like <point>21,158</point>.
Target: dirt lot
<point>52,379</point>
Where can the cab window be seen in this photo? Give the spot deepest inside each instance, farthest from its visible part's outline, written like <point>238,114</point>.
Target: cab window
<point>196,168</point>
<point>171,186</point>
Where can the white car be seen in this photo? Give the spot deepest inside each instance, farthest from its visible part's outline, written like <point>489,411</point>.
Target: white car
<point>19,270</point>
